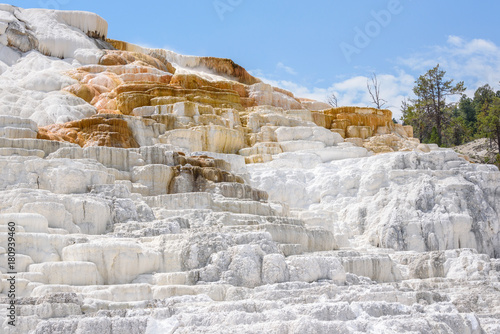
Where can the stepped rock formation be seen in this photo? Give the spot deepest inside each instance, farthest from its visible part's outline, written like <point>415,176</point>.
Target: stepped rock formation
<point>154,192</point>
<point>94,131</point>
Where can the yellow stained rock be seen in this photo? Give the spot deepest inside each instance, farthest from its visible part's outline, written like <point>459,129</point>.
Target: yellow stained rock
<point>94,131</point>
<point>220,139</point>
<point>362,132</point>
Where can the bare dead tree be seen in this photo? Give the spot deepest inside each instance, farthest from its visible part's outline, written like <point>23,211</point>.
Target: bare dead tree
<point>332,100</point>
<point>374,90</point>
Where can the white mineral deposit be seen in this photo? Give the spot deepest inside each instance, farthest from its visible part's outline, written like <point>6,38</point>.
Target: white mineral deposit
<point>153,192</point>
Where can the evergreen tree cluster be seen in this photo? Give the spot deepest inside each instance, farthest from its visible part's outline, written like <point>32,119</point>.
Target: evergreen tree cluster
<point>435,120</point>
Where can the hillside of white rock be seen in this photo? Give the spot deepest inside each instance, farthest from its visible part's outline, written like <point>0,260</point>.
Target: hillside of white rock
<point>153,192</point>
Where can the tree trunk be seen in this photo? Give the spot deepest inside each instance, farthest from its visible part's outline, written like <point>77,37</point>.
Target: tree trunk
<point>498,137</point>
<point>438,128</point>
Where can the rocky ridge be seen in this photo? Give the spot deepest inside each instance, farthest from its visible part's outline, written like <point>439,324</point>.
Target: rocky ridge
<point>477,151</point>
<point>160,193</point>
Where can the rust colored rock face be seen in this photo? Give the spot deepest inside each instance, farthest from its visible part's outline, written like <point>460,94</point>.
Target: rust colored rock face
<point>83,91</point>
<point>204,162</point>
<point>94,131</point>
<point>126,80</point>
<point>100,84</point>
<point>142,82</point>
<point>210,104</point>
<point>224,66</point>
<point>192,81</point>
<point>345,118</point>
<point>113,58</point>
<point>221,66</point>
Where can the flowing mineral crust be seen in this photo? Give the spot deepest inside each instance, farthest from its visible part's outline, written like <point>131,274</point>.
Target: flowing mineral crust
<point>154,192</point>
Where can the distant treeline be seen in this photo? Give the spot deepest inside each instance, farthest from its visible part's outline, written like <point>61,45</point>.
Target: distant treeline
<point>435,120</point>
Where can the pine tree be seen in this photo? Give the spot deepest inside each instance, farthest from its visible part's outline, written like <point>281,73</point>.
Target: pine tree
<point>489,120</point>
<point>414,117</point>
<point>432,90</point>
<point>468,113</point>
<point>456,131</point>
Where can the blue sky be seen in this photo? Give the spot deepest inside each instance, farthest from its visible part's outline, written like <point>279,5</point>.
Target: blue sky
<point>314,47</point>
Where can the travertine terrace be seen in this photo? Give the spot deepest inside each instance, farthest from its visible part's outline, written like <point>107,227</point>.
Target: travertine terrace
<point>154,192</point>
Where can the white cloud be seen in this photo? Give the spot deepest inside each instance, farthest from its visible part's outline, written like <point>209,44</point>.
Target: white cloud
<point>256,72</point>
<point>475,61</point>
<point>455,40</point>
<point>353,91</point>
<point>287,69</point>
